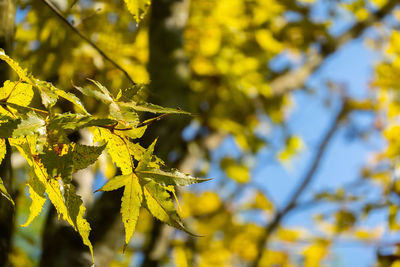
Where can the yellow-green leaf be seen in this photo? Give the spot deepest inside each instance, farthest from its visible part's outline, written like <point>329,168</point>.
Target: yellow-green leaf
<point>115,183</point>
<point>146,158</point>
<point>173,177</point>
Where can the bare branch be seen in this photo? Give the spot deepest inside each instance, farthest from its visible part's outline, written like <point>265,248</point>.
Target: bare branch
<point>295,79</point>
<point>305,181</point>
<point>81,35</point>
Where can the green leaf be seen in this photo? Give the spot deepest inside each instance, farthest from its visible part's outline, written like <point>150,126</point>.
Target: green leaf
<point>136,93</point>
<point>124,113</point>
<point>104,90</point>
<point>7,126</point>
<point>71,122</point>
<point>169,178</point>
<point>152,108</point>
<point>84,156</point>
<point>106,98</point>
<point>138,8</point>
<point>57,166</point>
<point>68,204</point>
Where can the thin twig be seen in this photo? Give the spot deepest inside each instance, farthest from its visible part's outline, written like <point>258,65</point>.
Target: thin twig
<point>80,34</point>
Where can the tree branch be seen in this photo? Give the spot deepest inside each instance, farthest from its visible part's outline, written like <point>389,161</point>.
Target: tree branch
<point>294,79</point>
<point>348,106</point>
<point>81,35</point>
<point>305,181</point>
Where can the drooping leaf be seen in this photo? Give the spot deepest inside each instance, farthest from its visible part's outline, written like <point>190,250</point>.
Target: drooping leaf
<point>36,191</point>
<point>76,212</point>
<point>68,204</point>
<point>169,178</point>
<point>160,205</point>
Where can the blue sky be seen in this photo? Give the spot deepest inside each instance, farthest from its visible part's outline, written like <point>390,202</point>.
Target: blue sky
<point>352,66</point>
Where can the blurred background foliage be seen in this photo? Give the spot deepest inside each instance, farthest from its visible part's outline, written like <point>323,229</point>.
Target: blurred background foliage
<point>242,67</point>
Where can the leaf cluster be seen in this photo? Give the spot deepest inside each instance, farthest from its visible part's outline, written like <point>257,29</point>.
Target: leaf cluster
<point>41,137</point>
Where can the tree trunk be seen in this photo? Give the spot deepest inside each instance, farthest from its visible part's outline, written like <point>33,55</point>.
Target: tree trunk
<point>169,76</point>
<point>7,211</point>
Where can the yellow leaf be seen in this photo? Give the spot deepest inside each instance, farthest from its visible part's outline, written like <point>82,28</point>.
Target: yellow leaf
<point>117,147</point>
<point>17,93</point>
<point>115,183</point>
<point>36,191</point>
<point>265,39</point>
<point>180,257</point>
<point>238,172</point>
<point>130,207</point>
<point>3,149</point>
<point>315,253</point>
<point>3,192</point>
<point>138,8</point>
